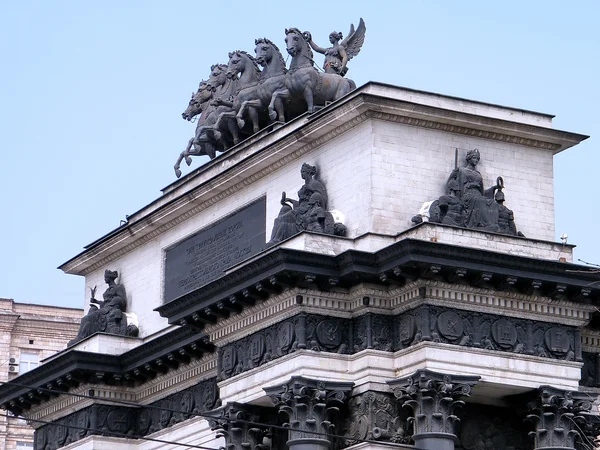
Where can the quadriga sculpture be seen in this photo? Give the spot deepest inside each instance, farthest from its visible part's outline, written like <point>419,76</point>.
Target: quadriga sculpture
<point>338,55</point>
<point>240,90</point>
<point>303,82</point>
<point>244,68</point>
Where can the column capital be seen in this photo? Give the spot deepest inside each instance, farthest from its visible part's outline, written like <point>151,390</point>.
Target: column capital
<point>434,399</point>
<point>238,424</point>
<point>560,418</point>
<point>311,407</point>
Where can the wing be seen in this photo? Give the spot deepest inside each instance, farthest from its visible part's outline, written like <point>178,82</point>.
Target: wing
<point>348,36</point>
<point>355,41</point>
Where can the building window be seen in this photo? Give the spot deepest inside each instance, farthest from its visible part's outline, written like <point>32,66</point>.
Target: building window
<point>28,362</point>
<point>24,445</point>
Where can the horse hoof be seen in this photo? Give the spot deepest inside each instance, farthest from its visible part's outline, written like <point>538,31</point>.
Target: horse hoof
<point>177,173</point>
<point>273,115</point>
<point>241,123</point>
<point>188,160</point>
<point>217,135</point>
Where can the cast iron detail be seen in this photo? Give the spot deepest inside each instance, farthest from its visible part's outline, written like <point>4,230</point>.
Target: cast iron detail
<point>126,421</point>
<point>467,204</point>
<point>308,213</point>
<point>375,416</point>
<point>471,329</point>
<point>559,418</point>
<point>310,406</point>
<point>231,423</point>
<point>239,99</point>
<point>108,315</point>
<point>434,400</point>
<point>319,333</point>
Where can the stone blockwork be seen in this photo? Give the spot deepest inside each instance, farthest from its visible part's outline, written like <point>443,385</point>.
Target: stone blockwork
<point>28,335</point>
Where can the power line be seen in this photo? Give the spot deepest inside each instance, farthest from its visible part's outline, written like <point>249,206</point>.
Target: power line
<point>203,415</point>
<point>111,433</point>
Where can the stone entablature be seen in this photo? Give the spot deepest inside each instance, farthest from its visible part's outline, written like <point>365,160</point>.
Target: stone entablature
<point>432,232</point>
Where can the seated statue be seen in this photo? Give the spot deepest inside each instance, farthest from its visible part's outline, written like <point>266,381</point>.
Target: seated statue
<point>107,315</point>
<point>469,205</point>
<point>308,213</point>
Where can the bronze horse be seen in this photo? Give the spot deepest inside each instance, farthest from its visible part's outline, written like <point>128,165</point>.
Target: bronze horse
<point>272,78</point>
<point>303,80</point>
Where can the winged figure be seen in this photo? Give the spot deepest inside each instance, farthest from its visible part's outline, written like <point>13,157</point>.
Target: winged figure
<point>337,56</point>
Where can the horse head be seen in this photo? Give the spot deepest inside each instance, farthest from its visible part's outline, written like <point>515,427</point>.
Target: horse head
<point>296,44</point>
<point>195,106</point>
<point>218,75</point>
<point>240,62</point>
<point>265,51</point>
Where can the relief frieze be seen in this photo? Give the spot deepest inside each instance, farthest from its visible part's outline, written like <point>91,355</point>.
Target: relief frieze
<point>488,331</point>
<point>124,421</point>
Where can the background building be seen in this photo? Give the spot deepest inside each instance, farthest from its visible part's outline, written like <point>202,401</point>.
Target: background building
<point>29,334</point>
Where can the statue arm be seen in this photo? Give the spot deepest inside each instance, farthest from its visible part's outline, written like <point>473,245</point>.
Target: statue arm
<point>315,47</point>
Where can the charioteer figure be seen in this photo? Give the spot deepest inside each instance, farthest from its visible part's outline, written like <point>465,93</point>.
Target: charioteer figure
<point>338,55</point>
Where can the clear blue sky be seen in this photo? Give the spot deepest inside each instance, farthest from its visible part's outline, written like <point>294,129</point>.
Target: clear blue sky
<point>92,94</point>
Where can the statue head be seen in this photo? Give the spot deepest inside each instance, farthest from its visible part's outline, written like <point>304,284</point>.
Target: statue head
<point>110,275</point>
<point>307,171</point>
<point>335,36</point>
<point>473,156</point>
<point>499,196</point>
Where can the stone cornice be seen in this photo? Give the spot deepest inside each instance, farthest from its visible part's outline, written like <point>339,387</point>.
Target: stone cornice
<point>74,368</point>
<point>407,259</point>
<point>257,157</point>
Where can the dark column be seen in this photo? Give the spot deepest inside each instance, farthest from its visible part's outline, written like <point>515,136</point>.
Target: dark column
<point>434,399</point>
<point>561,418</point>
<point>312,409</point>
<point>237,423</point>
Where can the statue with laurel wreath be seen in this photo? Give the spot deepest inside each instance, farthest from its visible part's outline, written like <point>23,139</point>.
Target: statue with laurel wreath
<point>338,55</point>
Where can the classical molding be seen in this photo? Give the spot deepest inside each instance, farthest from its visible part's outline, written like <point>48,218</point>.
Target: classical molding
<point>398,264</point>
<point>73,368</point>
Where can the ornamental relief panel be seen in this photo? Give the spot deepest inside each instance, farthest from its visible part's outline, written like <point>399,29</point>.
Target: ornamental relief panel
<point>472,329</point>
<point>122,421</point>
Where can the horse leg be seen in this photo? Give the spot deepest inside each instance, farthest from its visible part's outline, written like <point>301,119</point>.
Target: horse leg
<point>181,156</point>
<point>253,113</point>
<point>217,125</point>
<point>245,105</point>
<point>309,99</point>
<point>279,110</point>
<point>283,93</point>
<point>233,129</point>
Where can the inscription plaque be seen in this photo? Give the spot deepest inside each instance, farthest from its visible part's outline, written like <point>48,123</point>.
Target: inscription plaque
<point>204,257</point>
